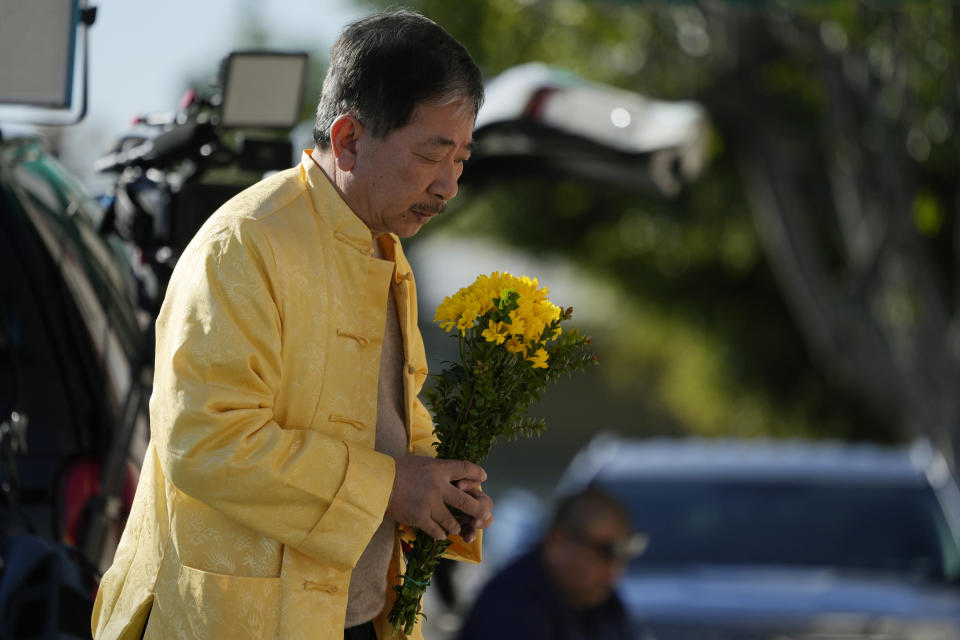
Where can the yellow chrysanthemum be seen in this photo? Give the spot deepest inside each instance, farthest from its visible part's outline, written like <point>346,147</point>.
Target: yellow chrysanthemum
<point>528,321</point>
<point>495,332</point>
<point>539,359</point>
<point>514,345</point>
<point>517,324</point>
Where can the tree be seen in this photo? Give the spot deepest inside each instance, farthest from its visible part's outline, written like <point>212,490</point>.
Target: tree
<point>815,260</point>
<point>848,188</point>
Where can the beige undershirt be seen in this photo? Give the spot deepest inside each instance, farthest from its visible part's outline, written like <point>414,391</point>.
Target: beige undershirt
<point>368,582</point>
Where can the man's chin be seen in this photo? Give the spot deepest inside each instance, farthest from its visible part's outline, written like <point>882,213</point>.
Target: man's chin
<point>408,230</point>
<point>595,598</point>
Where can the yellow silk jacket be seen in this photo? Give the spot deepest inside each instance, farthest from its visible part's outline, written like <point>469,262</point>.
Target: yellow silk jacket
<point>261,487</point>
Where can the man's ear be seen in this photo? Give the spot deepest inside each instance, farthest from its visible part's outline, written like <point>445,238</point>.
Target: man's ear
<point>344,134</point>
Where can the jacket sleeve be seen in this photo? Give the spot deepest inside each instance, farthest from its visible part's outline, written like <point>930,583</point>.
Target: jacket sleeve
<point>218,369</point>
<point>423,440</point>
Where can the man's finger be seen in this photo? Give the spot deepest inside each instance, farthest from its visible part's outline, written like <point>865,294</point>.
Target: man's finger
<point>476,523</point>
<point>433,530</point>
<point>463,470</point>
<point>447,521</point>
<point>468,533</point>
<point>485,503</point>
<point>475,492</point>
<point>467,485</point>
<point>464,502</point>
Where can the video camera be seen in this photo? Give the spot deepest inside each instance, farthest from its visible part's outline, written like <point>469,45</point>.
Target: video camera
<point>177,168</point>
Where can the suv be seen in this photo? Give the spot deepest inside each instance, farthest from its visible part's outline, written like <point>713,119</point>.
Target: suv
<point>784,539</point>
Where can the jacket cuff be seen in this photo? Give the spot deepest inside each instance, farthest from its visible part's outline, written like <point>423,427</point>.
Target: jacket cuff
<point>345,529</point>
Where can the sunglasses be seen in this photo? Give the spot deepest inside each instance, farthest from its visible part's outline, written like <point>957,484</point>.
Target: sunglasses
<point>620,551</point>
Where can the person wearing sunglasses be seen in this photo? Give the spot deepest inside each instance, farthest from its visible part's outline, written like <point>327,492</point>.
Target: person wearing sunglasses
<point>564,589</point>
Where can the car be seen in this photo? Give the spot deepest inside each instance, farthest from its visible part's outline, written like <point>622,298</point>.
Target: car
<point>757,538</point>
<point>541,119</point>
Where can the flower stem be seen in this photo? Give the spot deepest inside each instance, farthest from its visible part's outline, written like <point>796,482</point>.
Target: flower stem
<point>421,563</point>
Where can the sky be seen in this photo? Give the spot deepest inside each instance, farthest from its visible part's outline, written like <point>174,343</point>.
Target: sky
<point>142,55</point>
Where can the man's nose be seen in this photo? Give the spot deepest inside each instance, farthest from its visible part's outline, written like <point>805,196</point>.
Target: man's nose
<point>445,182</point>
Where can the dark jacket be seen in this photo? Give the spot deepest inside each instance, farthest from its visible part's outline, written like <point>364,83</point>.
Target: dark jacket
<point>522,603</point>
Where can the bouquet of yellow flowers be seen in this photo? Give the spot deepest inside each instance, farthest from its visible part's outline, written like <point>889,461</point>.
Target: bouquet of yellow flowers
<point>511,345</point>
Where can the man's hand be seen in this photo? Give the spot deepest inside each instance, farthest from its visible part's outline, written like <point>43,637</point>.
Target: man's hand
<point>423,487</point>
<point>469,526</point>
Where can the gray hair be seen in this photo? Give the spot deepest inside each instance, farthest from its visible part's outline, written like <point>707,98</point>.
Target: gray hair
<point>384,65</point>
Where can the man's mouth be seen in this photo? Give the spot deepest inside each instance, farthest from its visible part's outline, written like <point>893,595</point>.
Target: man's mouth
<point>422,218</point>
<point>424,213</point>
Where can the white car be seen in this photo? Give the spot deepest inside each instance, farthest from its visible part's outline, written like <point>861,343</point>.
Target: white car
<point>537,118</point>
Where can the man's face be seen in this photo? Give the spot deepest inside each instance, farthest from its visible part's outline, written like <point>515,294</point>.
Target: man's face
<point>402,181</point>
<point>585,569</point>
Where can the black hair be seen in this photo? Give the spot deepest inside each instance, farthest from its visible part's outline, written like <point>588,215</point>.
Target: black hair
<point>574,511</point>
<point>384,65</point>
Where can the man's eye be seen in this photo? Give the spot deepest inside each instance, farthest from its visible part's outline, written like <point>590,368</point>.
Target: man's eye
<point>428,158</point>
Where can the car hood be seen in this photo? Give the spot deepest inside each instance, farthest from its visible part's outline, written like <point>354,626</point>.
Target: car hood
<point>785,596</point>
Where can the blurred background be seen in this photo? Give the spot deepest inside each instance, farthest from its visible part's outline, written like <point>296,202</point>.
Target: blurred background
<point>751,206</point>
<point>802,283</point>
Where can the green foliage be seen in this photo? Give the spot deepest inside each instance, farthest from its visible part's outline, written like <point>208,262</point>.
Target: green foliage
<point>483,397</point>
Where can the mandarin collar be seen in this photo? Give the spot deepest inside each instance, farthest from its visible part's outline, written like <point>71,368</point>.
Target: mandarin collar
<point>393,251</point>
<point>347,226</point>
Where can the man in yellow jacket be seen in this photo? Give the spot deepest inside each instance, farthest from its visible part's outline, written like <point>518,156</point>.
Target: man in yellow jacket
<point>288,447</point>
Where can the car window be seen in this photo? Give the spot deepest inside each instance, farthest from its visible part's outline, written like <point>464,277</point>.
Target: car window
<point>877,528</point>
